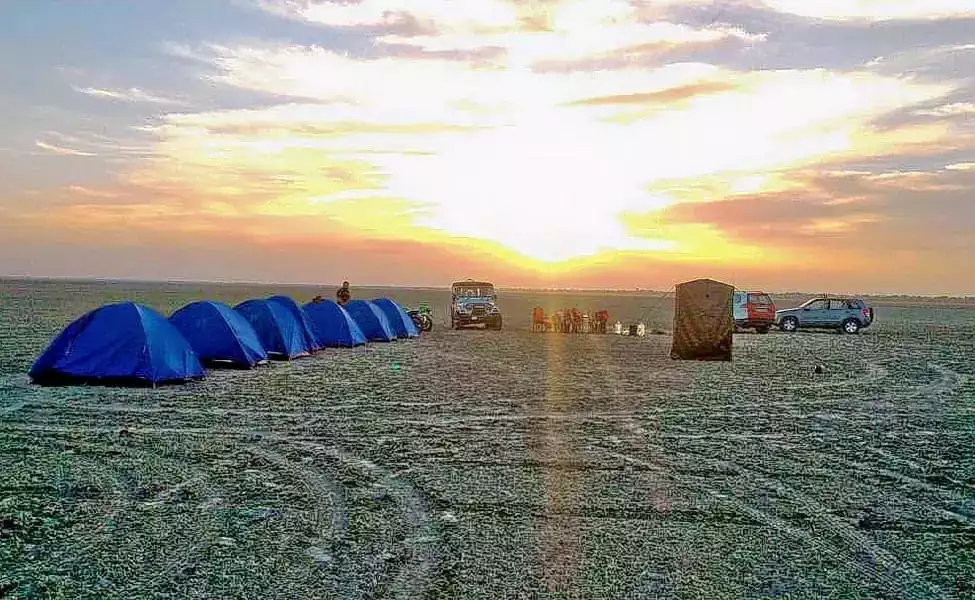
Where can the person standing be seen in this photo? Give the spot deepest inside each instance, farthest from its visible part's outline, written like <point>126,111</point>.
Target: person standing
<point>344,295</point>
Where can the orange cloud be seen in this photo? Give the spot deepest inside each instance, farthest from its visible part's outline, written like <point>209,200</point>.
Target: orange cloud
<point>668,96</point>
<point>527,150</point>
<point>809,207</point>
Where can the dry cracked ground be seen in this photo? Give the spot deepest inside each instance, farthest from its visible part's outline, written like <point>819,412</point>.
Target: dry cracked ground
<point>501,465</point>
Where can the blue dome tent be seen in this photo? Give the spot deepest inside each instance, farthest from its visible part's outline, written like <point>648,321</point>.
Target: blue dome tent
<point>118,344</point>
<point>279,332</point>
<point>371,320</point>
<point>400,322</point>
<point>219,334</point>
<point>306,328</point>
<point>333,326</point>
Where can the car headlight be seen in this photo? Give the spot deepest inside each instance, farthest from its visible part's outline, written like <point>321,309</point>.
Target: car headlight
<point>463,309</point>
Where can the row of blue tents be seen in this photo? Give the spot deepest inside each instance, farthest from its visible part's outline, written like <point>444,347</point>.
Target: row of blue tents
<point>131,344</point>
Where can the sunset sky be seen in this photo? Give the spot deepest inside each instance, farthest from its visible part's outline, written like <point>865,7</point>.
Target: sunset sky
<point>815,145</point>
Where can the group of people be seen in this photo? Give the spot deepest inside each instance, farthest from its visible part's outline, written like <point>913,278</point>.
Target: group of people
<point>342,297</point>
<point>570,320</point>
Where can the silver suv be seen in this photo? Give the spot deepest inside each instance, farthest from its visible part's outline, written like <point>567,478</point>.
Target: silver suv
<point>849,315</point>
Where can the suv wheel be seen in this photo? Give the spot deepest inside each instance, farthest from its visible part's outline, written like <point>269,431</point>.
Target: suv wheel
<point>762,329</point>
<point>851,326</point>
<point>496,324</point>
<point>789,324</point>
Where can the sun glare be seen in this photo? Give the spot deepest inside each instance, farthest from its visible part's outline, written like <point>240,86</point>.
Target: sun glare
<point>556,134</point>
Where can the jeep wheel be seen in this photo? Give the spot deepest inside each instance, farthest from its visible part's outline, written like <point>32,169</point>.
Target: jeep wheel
<point>496,324</point>
<point>789,324</point>
<point>851,326</point>
<point>762,329</point>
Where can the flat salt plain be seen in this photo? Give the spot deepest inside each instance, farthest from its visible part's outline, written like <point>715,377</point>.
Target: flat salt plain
<point>497,464</point>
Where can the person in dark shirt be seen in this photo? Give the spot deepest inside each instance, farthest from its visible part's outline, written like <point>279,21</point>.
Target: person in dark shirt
<point>343,296</point>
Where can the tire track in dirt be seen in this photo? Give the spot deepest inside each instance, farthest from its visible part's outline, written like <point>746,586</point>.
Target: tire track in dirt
<point>555,416</point>
<point>121,503</point>
<point>958,496</point>
<point>897,576</point>
<point>889,456</point>
<point>893,457</point>
<point>202,411</point>
<point>114,430</point>
<point>97,470</point>
<point>311,418</point>
<point>423,544</point>
<point>905,478</point>
<point>188,550</point>
<point>246,432</point>
<point>172,492</point>
<point>142,585</point>
<point>135,409</point>
<point>327,412</point>
<point>874,374</point>
<point>316,483</point>
<point>755,513</point>
<point>947,383</point>
<point>10,409</point>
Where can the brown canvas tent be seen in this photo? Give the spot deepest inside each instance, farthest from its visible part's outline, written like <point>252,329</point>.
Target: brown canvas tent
<point>703,321</point>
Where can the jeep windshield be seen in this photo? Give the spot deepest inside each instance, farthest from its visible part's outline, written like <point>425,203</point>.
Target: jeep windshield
<point>474,291</point>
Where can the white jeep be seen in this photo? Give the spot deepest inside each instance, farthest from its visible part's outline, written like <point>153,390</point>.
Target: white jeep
<point>474,303</point>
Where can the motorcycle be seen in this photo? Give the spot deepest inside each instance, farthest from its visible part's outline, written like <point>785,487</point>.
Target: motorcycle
<point>422,318</point>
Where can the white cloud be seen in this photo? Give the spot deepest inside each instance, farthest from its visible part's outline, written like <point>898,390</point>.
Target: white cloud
<point>61,150</point>
<point>948,110</point>
<point>503,154</point>
<point>965,166</point>
<point>917,60</point>
<point>406,87</point>
<point>569,42</point>
<point>875,10</point>
<point>129,95</point>
<point>442,14</point>
<point>527,33</point>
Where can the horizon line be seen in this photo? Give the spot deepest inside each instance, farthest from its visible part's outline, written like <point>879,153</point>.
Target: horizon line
<point>633,290</point>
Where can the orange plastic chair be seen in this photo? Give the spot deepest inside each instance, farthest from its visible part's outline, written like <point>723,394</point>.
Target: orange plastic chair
<point>539,322</point>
